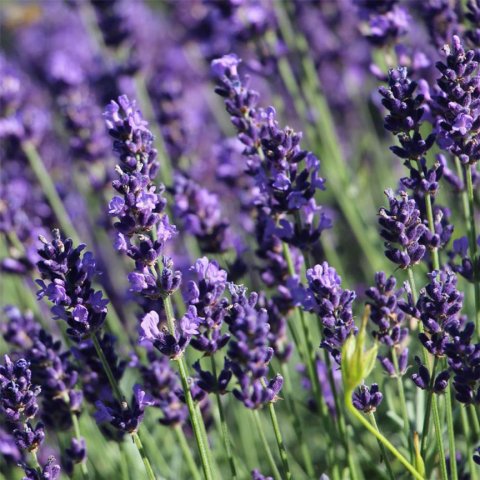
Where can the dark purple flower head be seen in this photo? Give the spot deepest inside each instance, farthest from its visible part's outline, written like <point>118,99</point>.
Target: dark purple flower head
<point>50,471</point>
<point>206,295</point>
<point>367,399</point>
<point>125,419</point>
<point>464,264</point>
<point>67,277</point>
<point>389,367</point>
<point>326,298</point>
<point>29,437</point>
<point>457,103</point>
<point>209,383</point>
<point>385,312</point>
<point>248,351</point>
<point>402,228</point>
<point>20,328</point>
<point>18,396</point>
<point>438,307</point>
<point>423,380</point>
<point>170,345</point>
<point>75,453</point>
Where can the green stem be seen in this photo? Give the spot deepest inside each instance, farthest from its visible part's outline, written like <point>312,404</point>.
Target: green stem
<point>439,439</point>
<point>475,422</point>
<point>431,225</point>
<point>266,445</point>
<point>380,437</point>
<point>428,410</point>
<point>473,243</point>
<point>403,403</point>
<point>187,453</point>
<point>295,417</point>
<point>468,440</point>
<point>45,180</point>
<point>194,418</point>
<point>281,445</point>
<point>451,433</point>
<point>371,416</point>
<point>138,443</point>
<point>223,424</point>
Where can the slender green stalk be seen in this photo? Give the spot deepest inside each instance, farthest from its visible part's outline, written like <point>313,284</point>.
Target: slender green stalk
<point>475,421</point>
<point>123,404</point>
<point>371,416</point>
<point>138,443</point>
<point>187,454</point>
<point>48,187</point>
<point>473,243</point>
<point>295,417</point>
<point>439,439</point>
<point>403,403</point>
<point>428,410</point>
<point>451,433</point>
<point>281,445</point>
<point>224,426</point>
<point>380,437</point>
<point>124,473</point>
<point>468,440</point>
<point>431,226</point>
<point>266,446</point>
<point>197,430</point>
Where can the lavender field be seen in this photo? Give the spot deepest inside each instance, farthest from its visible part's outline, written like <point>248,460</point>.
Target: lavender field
<point>239,239</point>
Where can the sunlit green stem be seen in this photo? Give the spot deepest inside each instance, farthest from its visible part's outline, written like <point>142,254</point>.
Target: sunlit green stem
<point>473,243</point>
<point>403,403</point>
<point>266,446</point>
<point>187,454</point>
<point>380,437</point>
<point>295,417</point>
<point>371,416</point>
<point>194,418</point>
<point>466,431</point>
<point>451,433</point>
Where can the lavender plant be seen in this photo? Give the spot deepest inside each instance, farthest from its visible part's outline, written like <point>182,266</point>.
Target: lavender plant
<point>191,288</point>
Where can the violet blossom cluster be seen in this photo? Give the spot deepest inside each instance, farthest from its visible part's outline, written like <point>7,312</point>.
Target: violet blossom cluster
<point>325,297</point>
<point>67,276</point>
<point>248,352</point>
<point>18,403</point>
<point>287,176</point>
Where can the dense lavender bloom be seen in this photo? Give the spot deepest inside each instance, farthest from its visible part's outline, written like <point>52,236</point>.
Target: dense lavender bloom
<point>140,209</point>
<point>405,115</point>
<point>200,211</point>
<point>163,385</point>
<point>286,185</point>
<point>125,419</point>
<point>206,295</point>
<point>248,352</point>
<point>325,297</point>
<point>18,397</point>
<point>472,35</point>
<point>385,312</point>
<point>402,225</point>
<point>69,276</point>
<point>367,399</point>
<point>457,103</point>
<point>438,308</point>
